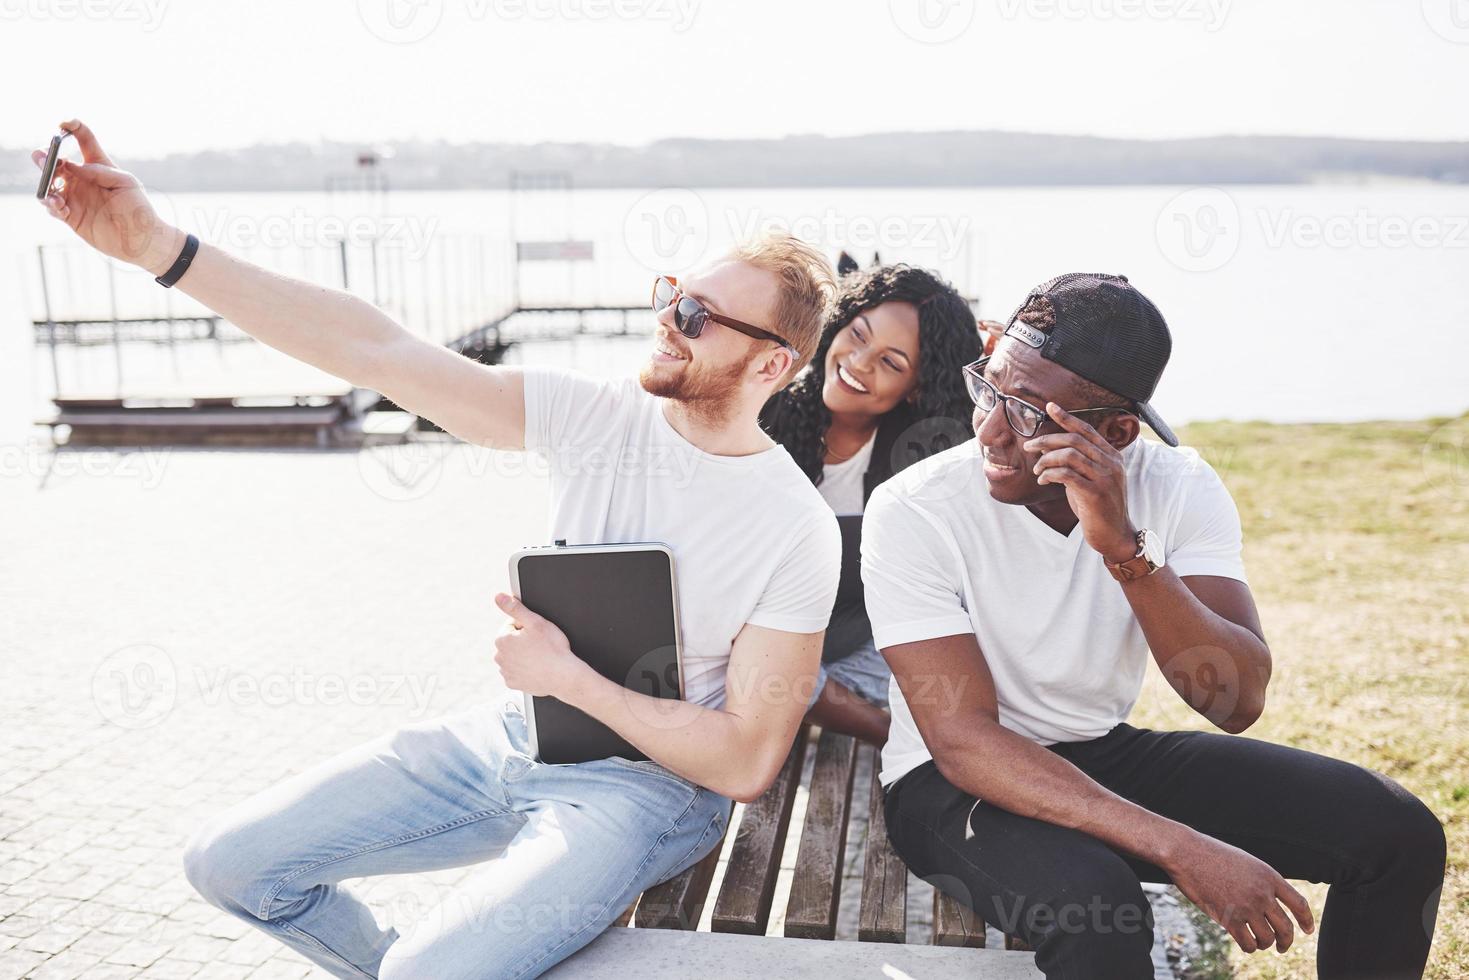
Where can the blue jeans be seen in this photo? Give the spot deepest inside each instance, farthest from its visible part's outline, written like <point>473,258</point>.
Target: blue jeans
<point>564,849</point>
<point>863,671</point>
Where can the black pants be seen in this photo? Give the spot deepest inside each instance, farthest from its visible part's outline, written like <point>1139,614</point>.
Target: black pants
<point>1079,903</point>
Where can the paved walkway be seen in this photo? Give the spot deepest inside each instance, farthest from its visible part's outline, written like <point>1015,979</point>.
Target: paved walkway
<point>184,628</point>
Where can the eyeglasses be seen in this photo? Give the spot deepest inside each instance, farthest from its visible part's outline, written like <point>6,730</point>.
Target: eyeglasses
<point>1023,417</point>
<point>691,316</point>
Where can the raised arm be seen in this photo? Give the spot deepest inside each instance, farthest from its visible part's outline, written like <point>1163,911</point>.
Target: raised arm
<point>327,328</point>
<point>1201,625</point>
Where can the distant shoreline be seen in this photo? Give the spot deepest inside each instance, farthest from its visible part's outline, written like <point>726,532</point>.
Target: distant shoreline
<point>17,186</point>
<point>880,160</point>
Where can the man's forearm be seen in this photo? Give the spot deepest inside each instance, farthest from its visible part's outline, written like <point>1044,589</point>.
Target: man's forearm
<point>704,745</point>
<point>1220,668</point>
<point>1053,790</point>
<point>327,328</point>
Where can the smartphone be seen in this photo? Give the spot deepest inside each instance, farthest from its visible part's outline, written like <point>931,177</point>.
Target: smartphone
<point>49,170</point>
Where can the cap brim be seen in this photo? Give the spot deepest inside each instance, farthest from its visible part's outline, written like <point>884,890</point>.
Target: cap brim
<point>1156,423</point>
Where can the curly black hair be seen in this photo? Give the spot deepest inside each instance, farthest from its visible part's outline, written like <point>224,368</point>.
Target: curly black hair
<point>948,338</point>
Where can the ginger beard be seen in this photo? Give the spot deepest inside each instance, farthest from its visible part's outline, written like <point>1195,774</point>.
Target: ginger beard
<point>708,390</point>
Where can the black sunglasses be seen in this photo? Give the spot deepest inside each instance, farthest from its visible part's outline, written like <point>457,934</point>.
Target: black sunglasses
<point>1024,418</point>
<point>690,316</point>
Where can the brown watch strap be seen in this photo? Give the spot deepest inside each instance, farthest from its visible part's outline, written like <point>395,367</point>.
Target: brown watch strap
<point>1134,568</point>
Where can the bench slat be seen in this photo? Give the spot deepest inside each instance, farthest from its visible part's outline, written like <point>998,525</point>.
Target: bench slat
<point>743,903</point>
<point>955,924</point>
<point>816,888</point>
<point>884,914</point>
<point>678,903</point>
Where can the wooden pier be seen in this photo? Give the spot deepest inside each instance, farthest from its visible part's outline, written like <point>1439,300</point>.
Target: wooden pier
<point>325,417</point>
<point>139,329</point>
<point>463,290</point>
<point>446,299</point>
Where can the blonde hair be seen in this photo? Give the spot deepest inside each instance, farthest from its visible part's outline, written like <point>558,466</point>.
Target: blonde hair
<point>807,286</point>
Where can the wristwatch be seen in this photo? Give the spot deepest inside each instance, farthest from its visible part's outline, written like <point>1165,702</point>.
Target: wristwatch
<point>1149,559</point>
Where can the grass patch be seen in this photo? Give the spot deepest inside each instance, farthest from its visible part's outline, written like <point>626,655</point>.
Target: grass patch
<point>1357,548</point>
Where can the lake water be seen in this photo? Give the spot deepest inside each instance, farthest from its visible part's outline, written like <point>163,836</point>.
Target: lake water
<point>1331,302</point>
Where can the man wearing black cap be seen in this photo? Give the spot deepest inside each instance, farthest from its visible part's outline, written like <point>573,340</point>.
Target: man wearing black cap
<point>1017,585</point>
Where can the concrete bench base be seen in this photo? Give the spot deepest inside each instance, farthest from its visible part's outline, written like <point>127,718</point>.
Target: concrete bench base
<point>672,954</point>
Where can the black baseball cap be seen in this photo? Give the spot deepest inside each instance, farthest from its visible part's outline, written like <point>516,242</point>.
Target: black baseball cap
<point>1107,332</point>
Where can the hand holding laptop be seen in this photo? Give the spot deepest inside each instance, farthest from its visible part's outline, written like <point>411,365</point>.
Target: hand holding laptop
<point>596,613</point>
<point>533,654</point>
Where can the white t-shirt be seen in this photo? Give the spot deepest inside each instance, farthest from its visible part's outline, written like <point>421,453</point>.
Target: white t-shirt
<point>940,557</point>
<point>841,483</point>
<point>752,540</point>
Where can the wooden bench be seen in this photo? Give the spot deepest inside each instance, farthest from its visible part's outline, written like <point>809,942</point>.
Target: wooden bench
<point>744,901</point>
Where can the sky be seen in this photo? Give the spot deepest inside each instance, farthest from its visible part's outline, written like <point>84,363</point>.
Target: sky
<point>158,76</point>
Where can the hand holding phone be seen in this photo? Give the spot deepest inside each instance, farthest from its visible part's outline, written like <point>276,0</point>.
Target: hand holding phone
<point>104,205</point>
<point>48,169</point>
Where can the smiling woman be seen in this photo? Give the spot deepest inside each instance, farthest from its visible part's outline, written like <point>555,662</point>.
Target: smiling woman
<point>885,388</point>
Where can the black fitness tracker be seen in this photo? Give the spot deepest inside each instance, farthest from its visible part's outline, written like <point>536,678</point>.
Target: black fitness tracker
<point>181,264</point>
